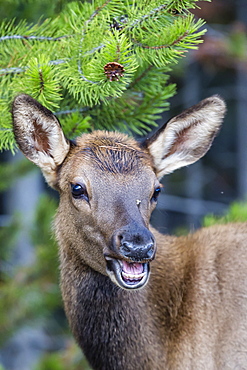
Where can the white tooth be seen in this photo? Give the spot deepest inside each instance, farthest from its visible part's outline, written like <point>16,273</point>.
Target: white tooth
<point>133,277</point>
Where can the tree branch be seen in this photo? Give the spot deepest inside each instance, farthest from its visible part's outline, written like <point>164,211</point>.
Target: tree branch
<point>161,46</point>
<point>6,71</point>
<point>146,16</point>
<point>40,38</point>
<point>139,78</point>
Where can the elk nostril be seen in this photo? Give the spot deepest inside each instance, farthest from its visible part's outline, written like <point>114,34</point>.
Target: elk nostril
<point>126,247</point>
<point>150,250</point>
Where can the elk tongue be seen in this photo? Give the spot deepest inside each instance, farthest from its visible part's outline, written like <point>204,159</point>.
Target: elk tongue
<point>133,268</point>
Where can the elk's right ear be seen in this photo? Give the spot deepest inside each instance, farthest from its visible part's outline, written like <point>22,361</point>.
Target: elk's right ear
<point>39,135</point>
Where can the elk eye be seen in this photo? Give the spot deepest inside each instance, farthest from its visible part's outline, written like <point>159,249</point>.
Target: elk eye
<point>156,194</point>
<point>79,191</point>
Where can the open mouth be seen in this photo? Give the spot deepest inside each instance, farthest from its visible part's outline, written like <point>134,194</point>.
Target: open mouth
<point>128,275</point>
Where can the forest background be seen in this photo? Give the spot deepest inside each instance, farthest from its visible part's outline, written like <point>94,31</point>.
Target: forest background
<point>33,329</point>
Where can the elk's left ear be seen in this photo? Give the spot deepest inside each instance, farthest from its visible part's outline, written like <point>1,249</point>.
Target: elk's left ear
<point>39,136</point>
<point>187,137</point>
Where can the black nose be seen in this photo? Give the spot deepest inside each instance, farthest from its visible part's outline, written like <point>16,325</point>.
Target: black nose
<point>134,242</point>
<point>136,252</point>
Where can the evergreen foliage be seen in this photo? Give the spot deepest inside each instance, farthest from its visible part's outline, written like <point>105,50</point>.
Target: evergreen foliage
<point>66,63</point>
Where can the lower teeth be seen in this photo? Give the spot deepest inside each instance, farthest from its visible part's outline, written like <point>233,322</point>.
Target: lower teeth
<point>130,277</point>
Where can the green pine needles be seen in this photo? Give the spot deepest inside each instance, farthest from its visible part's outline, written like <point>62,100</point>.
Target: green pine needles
<point>102,64</point>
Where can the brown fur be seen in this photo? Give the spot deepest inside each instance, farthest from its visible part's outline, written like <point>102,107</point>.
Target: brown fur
<point>191,314</point>
<point>112,152</point>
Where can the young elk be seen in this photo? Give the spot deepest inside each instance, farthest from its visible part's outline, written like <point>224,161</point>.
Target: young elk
<point>191,311</point>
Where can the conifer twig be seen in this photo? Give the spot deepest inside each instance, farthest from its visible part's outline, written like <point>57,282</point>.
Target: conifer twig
<point>70,111</point>
<point>180,38</point>
<point>39,38</point>
<point>5,71</point>
<point>139,78</point>
<point>96,12</point>
<point>146,16</point>
<point>93,15</point>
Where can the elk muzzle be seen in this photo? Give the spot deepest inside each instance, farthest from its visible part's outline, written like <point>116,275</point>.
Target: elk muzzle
<point>129,256</point>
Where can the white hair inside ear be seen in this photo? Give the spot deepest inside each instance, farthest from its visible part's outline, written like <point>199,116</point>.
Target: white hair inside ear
<point>186,137</point>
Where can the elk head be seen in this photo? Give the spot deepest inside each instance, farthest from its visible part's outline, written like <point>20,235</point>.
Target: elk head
<point>109,183</point>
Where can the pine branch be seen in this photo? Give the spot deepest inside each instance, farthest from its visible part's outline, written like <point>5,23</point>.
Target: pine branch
<point>16,70</point>
<point>152,13</point>
<point>180,38</point>
<point>99,8</point>
<point>38,38</point>
<point>97,60</point>
<point>139,78</point>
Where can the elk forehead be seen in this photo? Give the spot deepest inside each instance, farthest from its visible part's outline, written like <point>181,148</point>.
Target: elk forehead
<point>112,152</point>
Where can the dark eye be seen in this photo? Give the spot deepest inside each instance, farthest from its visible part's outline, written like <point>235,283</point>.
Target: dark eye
<point>79,191</point>
<point>156,194</point>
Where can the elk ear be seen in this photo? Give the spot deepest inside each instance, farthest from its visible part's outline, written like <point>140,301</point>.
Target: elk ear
<point>187,137</point>
<point>39,135</point>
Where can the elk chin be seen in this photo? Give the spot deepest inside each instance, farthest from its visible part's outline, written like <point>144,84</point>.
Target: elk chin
<point>127,275</point>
